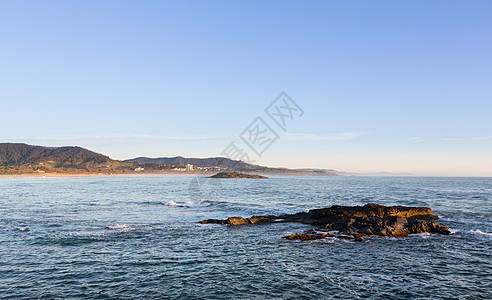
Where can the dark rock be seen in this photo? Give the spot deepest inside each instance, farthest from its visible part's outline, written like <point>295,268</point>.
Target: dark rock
<point>212,221</point>
<point>324,216</point>
<point>237,221</point>
<point>306,236</point>
<point>262,219</point>
<point>241,220</point>
<point>358,237</point>
<point>345,237</point>
<point>236,175</point>
<point>353,222</point>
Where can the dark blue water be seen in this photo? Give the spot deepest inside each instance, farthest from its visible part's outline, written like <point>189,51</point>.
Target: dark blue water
<point>137,237</point>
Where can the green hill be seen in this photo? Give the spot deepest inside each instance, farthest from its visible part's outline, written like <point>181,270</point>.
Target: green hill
<point>20,154</point>
<point>17,158</point>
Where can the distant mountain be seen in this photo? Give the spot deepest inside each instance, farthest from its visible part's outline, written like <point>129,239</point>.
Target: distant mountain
<point>229,164</point>
<point>221,162</point>
<point>16,158</point>
<point>18,154</point>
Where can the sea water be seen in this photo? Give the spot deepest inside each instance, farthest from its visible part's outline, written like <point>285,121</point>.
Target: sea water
<point>132,237</point>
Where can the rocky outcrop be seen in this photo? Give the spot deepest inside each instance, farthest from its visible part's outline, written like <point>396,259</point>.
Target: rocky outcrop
<point>242,221</point>
<point>308,236</point>
<point>236,175</point>
<point>353,222</point>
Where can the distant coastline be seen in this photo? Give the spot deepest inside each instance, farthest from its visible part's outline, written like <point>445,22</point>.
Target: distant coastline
<point>54,175</point>
<point>18,159</point>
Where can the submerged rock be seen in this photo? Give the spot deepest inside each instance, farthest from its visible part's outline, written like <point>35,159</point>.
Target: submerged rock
<point>353,222</point>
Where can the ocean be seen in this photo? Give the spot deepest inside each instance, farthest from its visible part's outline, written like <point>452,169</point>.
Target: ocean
<point>127,237</point>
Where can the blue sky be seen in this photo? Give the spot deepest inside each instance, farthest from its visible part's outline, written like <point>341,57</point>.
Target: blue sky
<point>387,86</point>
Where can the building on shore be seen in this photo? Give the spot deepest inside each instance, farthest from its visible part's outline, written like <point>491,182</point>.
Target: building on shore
<point>189,167</point>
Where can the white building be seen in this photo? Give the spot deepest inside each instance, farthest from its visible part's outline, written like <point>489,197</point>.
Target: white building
<point>189,167</point>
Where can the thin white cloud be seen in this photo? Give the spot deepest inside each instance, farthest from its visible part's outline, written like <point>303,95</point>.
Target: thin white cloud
<point>342,136</point>
<point>470,139</point>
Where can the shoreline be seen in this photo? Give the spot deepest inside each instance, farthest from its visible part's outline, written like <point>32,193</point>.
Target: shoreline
<point>62,175</point>
<point>54,175</point>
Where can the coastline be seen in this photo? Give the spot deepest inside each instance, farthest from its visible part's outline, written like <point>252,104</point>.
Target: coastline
<point>54,175</point>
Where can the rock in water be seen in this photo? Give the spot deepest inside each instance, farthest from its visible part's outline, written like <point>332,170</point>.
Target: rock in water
<point>353,222</point>
<point>307,236</point>
<point>236,175</point>
<point>241,220</point>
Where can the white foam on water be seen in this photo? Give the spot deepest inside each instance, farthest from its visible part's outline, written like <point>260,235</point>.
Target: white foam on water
<point>327,240</point>
<point>206,203</point>
<point>119,229</point>
<point>423,235</point>
<point>478,231</point>
<point>87,234</point>
<point>110,230</point>
<point>188,204</point>
<point>117,226</point>
<point>171,203</point>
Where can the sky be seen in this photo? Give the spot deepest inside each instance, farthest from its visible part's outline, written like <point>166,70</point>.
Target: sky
<point>383,86</point>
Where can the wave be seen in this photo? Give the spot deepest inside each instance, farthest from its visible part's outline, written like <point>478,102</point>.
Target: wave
<point>425,235</point>
<point>87,234</point>
<point>117,226</point>
<point>188,204</point>
<point>414,203</point>
<point>110,230</point>
<point>172,203</point>
<point>478,231</point>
